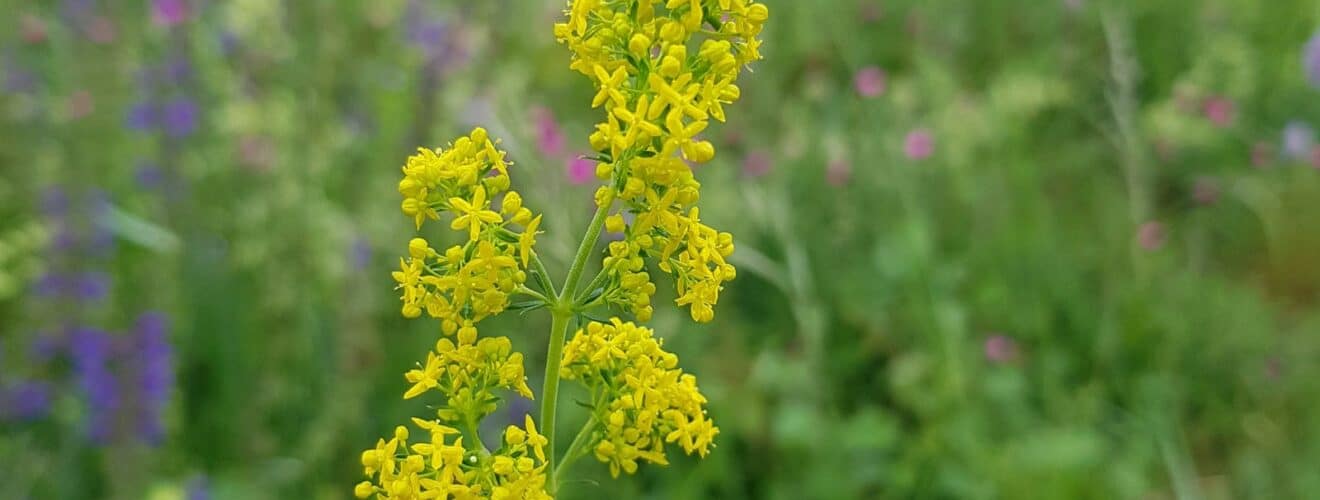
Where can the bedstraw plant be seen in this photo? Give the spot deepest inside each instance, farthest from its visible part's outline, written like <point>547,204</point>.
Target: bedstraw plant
<point>663,69</point>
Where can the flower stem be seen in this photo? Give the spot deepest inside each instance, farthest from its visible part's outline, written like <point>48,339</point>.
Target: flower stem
<point>575,450</point>
<point>561,313</point>
<point>550,392</point>
<point>584,251</point>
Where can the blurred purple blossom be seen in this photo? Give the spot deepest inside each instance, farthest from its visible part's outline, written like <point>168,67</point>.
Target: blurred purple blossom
<point>151,356</point>
<point>149,176</point>
<point>1298,140</point>
<point>198,488</point>
<point>1311,60</point>
<point>90,286</point>
<point>919,144</point>
<point>178,117</point>
<point>26,400</point>
<point>361,253</point>
<point>142,117</point>
<point>91,350</point>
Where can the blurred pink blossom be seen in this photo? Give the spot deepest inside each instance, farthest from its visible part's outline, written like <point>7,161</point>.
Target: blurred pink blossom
<point>169,13</point>
<point>33,28</point>
<point>869,82</point>
<point>581,170</point>
<point>838,172</point>
<point>80,105</point>
<point>757,164</point>
<point>1262,154</point>
<point>1206,190</point>
<point>549,137</point>
<point>1000,349</point>
<point>1219,110</point>
<point>1151,236</point>
<point>870,11</point>
<point>101,30</point>
<point>919,144</point>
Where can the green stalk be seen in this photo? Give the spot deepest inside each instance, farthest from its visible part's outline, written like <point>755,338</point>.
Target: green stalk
<point>576,450</point>
<point>561,313</point>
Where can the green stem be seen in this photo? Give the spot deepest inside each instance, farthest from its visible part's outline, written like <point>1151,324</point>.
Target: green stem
<point>595,283</point>
<point>550,391</point>
<point>562,312</point>
<point>540,268</point>
<point>584,251</point>
<point>576,450</point>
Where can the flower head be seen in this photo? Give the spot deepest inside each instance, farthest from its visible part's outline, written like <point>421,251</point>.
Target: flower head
<point>663,70</point>
<point>643,399</point>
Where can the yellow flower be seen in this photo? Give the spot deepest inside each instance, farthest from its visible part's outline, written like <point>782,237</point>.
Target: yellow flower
<point>527,240</point>
<point>643,399</point>
<point>473,213</point>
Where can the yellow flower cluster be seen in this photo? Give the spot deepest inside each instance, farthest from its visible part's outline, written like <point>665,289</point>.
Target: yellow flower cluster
<point>469,282</point>
<point>467,374</point>
<point>461,286</point>
<point>442,467</point>
<point>642,400</point>
<point>660,94</point>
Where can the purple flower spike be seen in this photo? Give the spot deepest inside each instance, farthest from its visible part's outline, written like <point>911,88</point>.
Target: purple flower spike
<point>91,353</point>
<point>142,117</point>
<point>153,355</point>
<point>179,117</point>
<point>1311,60</point>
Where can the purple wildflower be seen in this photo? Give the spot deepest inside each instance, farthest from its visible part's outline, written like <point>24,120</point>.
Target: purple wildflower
<point>198,488</point>
<point>361,253</point>
<point>151,356</point>
<point>91,286</point>
<point>27,400</point>
<point>91,351</point>
<point>149,176</point>
<point>142,117</point>
<point>179,117</point>
<point>1298,139</point>
<point>1311,60</point>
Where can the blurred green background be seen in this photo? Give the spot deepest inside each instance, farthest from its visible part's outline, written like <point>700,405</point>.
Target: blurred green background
<point>987,249</point>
